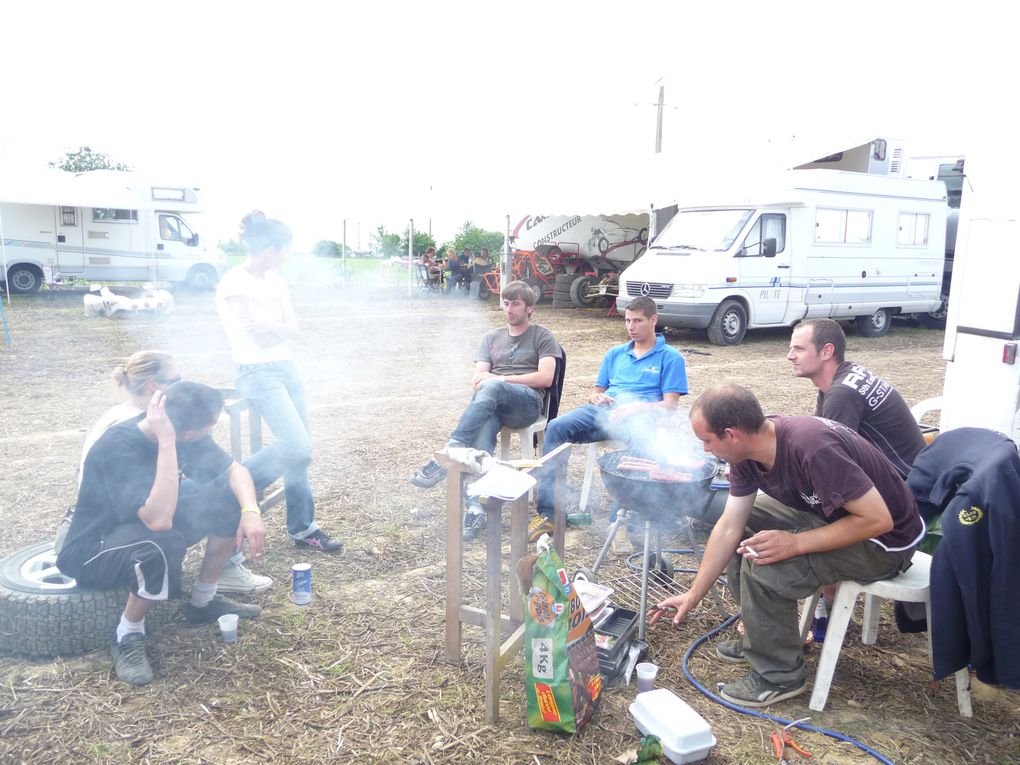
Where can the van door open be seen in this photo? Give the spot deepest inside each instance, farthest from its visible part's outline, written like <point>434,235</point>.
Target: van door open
<point>763,261</point>
<point>70,240</point>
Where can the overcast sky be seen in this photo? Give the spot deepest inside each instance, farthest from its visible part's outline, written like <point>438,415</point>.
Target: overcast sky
<point>316,112</point>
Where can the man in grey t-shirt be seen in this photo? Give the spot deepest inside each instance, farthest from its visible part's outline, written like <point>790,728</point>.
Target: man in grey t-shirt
<point>514,366</point>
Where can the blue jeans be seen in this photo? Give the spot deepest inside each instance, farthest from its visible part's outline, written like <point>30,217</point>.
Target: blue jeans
<point>494,405</point>
<point>276,391</point>
<point>587,425</point>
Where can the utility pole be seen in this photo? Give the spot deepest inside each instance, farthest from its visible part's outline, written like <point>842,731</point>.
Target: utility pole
<point>658,121</point>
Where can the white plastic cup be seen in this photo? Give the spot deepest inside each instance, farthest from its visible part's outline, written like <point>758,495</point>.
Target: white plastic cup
<point>646,672</point>
<point>228,628</point>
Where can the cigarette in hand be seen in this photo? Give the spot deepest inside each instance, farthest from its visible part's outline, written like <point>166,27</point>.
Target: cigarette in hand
<point>751,551</point>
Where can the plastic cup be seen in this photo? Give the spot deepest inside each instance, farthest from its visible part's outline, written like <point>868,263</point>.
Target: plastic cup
<point>646,672</point>
<point>228,628</point>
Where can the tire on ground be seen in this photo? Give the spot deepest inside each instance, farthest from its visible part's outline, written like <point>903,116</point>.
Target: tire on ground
<point>729,324</point>
<point>578,288</point>
<point>561,290</point>
<point>875,325</point>
<point>44,614</point>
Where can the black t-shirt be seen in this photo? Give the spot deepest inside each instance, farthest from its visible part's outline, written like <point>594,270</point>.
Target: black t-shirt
<point>868,404</point>
<point>120,470</point>
<point>820,466</point>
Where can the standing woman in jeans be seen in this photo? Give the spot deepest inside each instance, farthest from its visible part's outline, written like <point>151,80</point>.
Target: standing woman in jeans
<point>254,305</point>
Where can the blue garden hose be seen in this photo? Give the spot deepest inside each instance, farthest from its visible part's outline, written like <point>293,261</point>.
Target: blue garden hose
<point>765,716</point>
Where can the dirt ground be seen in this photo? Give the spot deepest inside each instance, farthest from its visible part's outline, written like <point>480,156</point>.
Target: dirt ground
<point>359,675</point>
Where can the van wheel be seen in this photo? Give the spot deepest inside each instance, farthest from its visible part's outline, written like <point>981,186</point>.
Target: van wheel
<point>201,278</point>
<point>24,279</point>
<point>936,319</point>
<point>44,613</point>
<point>729,324</point>
<point>876,325</point>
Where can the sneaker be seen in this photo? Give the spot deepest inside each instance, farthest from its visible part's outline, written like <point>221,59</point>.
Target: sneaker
<point>318,540</point>
<point>237,578</point>
<point>218,606</point>
<point>430,474</point>
<point>130,661</point>
<point>474,522</point>
<point>538,526</point>
<point>753,690</point>
<point>731,651</point>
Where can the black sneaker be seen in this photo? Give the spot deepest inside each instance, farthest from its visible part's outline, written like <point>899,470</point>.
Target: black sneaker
<point>731,651</point>
<point>430,474</point>
<point>130,661</point>
<point>218,606</point>
<point>474,522</point>
<point>318,540</point>
<point>753,690</point>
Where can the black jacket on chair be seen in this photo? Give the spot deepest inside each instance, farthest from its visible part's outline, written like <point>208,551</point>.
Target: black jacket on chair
<point>973,474</point>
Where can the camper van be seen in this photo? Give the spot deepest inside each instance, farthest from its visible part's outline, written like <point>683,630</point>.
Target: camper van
<point>816,243</point>
<point>102,225</point>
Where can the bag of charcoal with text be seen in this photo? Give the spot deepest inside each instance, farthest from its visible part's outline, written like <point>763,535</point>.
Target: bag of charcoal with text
<point>561,665</point>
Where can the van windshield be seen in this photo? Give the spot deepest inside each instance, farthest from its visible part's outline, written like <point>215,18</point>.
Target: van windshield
<point>702,230</point>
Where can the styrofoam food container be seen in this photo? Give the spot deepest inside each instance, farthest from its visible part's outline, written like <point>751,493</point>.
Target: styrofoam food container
<point>685,735</point>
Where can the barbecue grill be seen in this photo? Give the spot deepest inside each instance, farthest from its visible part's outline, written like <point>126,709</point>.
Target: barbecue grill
<point>684,492</point>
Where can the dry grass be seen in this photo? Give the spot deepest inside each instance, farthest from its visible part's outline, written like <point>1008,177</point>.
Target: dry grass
<point>359,675</point>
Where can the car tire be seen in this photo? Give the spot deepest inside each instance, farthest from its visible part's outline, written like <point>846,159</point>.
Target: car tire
<point>201,278</point>
<point>43,613</point>
<point>729,324</point>
<point>24,279</point>
<point>875,325</point>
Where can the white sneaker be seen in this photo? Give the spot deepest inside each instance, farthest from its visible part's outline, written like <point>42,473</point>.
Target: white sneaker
<point>236,578</point>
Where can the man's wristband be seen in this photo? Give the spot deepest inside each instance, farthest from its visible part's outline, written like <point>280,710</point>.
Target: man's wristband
<point>251,509</point>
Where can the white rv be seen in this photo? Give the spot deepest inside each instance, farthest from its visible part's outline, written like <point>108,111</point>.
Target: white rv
<point>102,225</point>
<point>819,243</point>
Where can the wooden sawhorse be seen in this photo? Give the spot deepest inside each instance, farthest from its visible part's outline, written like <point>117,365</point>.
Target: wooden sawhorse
<point>497,654</point>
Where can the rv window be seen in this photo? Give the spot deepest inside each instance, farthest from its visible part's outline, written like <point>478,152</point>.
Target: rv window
<point>768,226</point>
<point>835,226</point>
<point>913,229</point>
<point>111,215</point>
<point>68,216</point>
<point>173,229</point>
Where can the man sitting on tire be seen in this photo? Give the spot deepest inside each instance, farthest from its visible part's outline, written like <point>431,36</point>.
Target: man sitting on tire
<point>135,518</point>
<point>637,381</point>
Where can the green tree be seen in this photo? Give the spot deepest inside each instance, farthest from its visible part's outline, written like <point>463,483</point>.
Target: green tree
<point>389,244</point>
<point>326,249</point>
<point>231,247</point>
<point>422,242</point>
<point>475,238</point>
<point>84,160</point>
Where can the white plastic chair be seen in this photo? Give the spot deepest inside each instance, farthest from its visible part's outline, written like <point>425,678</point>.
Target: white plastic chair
<point>912,586</point>
<point>527,436</point>
<point>589,469</point>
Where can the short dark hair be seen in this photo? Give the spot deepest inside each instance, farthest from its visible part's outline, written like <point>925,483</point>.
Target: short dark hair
<point>825,331</point>
<point>518,290</point>
<point>728,405</point>
<point>192,405</point>
<point>644,304</point>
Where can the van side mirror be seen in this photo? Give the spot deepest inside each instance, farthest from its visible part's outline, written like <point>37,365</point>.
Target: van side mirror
<point>769,247</point>
<point>193,242</point>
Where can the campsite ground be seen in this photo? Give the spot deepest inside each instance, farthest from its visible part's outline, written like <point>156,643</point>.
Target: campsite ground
<point>359,675</point>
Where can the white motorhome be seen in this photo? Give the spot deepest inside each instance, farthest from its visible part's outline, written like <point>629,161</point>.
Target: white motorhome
<point>103,225</point>
<point>818,243</point>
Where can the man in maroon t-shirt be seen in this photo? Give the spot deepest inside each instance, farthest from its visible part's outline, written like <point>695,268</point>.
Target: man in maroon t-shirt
<point>847,515</point>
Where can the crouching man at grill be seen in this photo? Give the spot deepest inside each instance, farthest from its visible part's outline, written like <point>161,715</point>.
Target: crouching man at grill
<point>848,515</point>
<point>135,517</point>
<point>638,381</point>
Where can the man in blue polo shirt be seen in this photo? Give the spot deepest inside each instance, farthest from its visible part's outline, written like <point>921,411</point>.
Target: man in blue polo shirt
<point>636,383</point>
